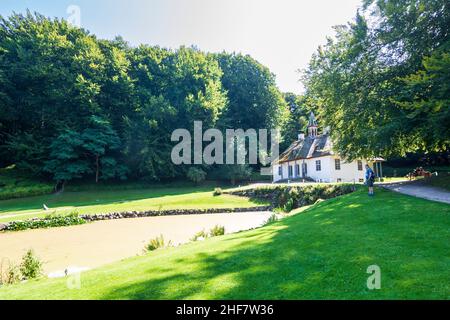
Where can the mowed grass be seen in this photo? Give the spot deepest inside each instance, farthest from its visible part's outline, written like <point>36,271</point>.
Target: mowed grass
<point>441,181</point>
<point>104,201</point>
<point>321,253</point>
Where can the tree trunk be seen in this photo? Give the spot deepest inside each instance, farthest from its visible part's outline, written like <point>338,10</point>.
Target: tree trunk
<point>97,168</point>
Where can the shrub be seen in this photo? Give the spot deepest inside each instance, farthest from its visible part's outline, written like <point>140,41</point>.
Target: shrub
<point>10,275</point>
<point>31,266</point>
<point>217,192</point>
<point>289,206</point>
<point>288,198</point>
<point>217,231</point>
<point>196,175</point>
<point>157,243</point>
<point>47,222</point>
<point>201,234</point>
<point>273,218</point>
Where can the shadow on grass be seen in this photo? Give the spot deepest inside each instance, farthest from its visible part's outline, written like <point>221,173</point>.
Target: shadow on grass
<point>322,253</point>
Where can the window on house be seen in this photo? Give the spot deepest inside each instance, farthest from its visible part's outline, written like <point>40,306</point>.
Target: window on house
<point>280,171</point>
<point>290,171</point>
<point>337,164</point>
<point>360,165</point>
<point>318,165</point>
<point>297,170</point>
<point>339,180</point>
<point>361,180</point>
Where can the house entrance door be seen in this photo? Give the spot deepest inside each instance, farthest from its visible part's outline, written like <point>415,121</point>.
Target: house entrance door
<point>304,170</point>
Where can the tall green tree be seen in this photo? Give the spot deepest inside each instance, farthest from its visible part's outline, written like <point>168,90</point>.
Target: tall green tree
<point>254,100</point>
<point>74,155</point>
<point>359,79</point>
<point>297,120</point>
<point>76,107</point>
<point>53,78</point>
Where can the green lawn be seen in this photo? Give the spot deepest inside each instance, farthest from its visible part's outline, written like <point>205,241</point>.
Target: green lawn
<point>321,253</point>
<point>103,201</point>
<point>16,185</point>
<point>441,181</point>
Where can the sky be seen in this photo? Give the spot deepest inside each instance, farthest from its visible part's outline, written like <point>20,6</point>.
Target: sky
<point>281,34</point>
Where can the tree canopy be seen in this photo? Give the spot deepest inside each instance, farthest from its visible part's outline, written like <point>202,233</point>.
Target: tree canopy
<point>74,106</point>
<point>382,82</point>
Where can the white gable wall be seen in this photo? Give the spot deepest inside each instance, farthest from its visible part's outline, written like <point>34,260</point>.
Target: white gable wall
<point>349,170</point>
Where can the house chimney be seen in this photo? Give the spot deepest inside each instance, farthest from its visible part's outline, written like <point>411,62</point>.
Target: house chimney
<point>301,136</point>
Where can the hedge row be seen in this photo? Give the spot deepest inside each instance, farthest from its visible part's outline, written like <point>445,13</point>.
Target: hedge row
<point>75,219</point>
<point>9,192</point>
<point>47,222</point>
<point>291,197</point>
<point>173,212</point>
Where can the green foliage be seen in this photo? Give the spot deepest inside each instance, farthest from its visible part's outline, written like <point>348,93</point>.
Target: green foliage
<point>47,222</point>
<point>196,175</point>
<point>426,97</point>
<point>31,266</point>
<point>231,172</point>
<point>289,205</point>
<point>73,107</point>
<point>157,243</point>
<point>16,185</point>
<point>217,231</point>
<point>296,122</point>
<point>254,100</point>
<point>288,198</point>
<point>382,83</point>
<point>74,154</point>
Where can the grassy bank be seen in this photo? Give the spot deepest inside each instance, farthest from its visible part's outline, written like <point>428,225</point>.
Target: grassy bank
<point>441,181</point>
<point>324,252</point>
<point>13,184</point>
<point>105,201</point>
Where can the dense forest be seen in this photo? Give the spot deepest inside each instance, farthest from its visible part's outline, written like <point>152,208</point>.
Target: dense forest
<point>73,106</point>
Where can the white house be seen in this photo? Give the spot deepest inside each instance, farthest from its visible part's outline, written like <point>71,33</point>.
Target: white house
<point>313,158</point>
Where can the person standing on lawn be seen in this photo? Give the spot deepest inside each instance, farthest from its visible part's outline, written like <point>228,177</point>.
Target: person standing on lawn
<point>370,179</point>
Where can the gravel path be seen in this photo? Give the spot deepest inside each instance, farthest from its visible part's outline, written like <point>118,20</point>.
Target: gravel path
<point>420,190</point>
<point>98,243</point>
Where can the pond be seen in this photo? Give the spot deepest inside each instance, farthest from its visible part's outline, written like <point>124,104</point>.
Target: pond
<point>95,244</point>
